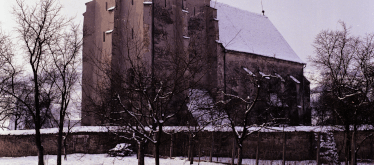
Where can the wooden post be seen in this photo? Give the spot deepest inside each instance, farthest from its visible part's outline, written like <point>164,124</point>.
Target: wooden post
<point>257,149</point>
<point>318,147</point>
<point>284,149</point>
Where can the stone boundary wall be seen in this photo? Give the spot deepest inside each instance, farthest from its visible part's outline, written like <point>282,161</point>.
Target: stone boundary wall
<point>365,141</point>
<point>85,142</point>
<point>299,145</point>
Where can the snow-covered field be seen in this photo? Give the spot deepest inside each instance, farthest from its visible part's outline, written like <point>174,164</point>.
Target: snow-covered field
<point>103,159</point>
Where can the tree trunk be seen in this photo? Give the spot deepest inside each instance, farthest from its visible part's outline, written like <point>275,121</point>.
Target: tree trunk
<point>16,122</point>
<point>154,147</point>
<point>191,150</point>
<point>39,146</point>
<point>240,154</point>
<point>189,147</point>
<point>157,150</point>
<point>284,148</point>
<point>211,148</point>
<point>157,146</point>
<point>157,153</point>
<point>172,145</point>
<point>65,151</point>
<point>37,120</point>
<point>60,131</point>
<point>347,144</point>
<point>233,152</point>
<point>199,154</point>
<point>258,146</point>
<point>140,153</point>
<point>59,144</point>
<point>353,148</point>
<point>219,144</point>
<point>318,147</point>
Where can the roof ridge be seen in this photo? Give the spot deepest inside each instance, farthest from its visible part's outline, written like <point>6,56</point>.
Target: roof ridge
<point>224,4</point>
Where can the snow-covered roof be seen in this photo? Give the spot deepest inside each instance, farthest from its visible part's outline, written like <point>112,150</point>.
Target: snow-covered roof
<point>244,31</point>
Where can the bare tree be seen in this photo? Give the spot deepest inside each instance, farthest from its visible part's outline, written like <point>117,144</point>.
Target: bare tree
<point>203,114</point>
<point>39,27</point>
<point>65,51</point>
<point>238,110</point>
<point>146,108</point>
<point>345,63</point>
<point>8,74</point>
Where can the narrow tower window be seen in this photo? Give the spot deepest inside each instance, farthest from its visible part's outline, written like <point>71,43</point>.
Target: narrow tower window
<point>193,11</point>
<point>103,36</point>
<point>165,3</point>
<point>132,2</point>
<point>182,5</point>
<point>106,6</point>
<point>132,33</point>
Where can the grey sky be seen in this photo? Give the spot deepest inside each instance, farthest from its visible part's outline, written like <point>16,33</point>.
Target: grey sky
<point>299,21</point>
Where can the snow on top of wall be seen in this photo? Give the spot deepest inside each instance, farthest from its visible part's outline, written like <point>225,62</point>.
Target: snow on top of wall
<point>55,130</point>
<point>244,31</point>
<point>324,129</point>
<point>185,128</point>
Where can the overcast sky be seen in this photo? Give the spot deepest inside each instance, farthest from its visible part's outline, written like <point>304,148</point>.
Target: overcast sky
<point>299,21</point>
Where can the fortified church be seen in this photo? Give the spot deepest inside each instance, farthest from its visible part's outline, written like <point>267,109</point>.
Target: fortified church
<point>231,42</point>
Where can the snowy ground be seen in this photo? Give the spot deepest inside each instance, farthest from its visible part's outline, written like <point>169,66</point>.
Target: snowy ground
<point>103,159</point>
<point>90,159</point>
<point>261,162</point>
